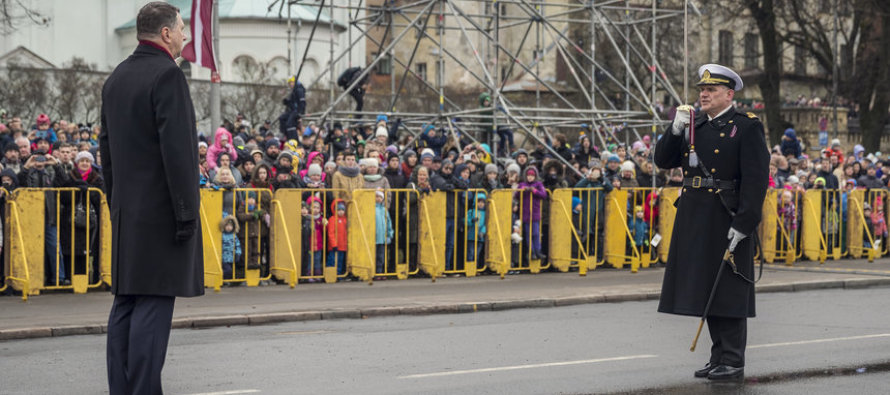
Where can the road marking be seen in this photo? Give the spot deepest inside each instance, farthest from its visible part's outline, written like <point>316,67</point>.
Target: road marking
<point>232,392</point>
<point>816,341</point>
<point>533,366</point>
<point>301,333</point>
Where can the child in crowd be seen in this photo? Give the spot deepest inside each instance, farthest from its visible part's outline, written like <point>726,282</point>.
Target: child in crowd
<point>879,223</point>
<point>231,246</point>
<point>337,237</point>
<point>577,206</point>
<point>788,216</point>
<point>255,229</point>
<point>315,224</point>
<point>383,232</point>
<point>639,228</point>
<point>868,235</point>
<point>476,230</point>
<point>531,193</point>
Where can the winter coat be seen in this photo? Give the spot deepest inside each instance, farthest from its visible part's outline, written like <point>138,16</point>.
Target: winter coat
<point>337,227</point>
<point>346,182</point>
<point>216,149</point>
<point>476,225</point>
<point>791,145</point>
<point>67,205</point>
<point>396,179</point>
<point>383,225</point>
<point>734,147</point>
<point>530,200</point>
<point>640,230</point>
<point>149,147</point>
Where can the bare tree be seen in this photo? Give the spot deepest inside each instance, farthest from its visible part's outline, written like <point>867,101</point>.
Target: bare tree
<point>14,14</point>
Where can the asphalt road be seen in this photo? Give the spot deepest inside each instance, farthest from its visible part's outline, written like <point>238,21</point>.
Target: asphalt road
<point>597,348</point>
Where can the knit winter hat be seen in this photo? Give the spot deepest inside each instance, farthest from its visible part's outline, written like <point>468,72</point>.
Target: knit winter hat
<point>491,168</point>
<point>575,202</point>
<point>369,162</point>
<point>513,168</point>
<point>84,155</point>
<point>379,193</point>
<point>409,153</point>
<point>381,132</point>
<point>626,166</point>
<point>427,151</point>
<point>202,144</point>
<point>314,170</point>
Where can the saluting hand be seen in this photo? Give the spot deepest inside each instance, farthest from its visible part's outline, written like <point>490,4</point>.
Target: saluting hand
<point>681,119</point>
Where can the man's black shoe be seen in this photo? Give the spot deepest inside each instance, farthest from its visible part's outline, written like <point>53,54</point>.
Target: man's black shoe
<point>703,372</point>
<point>724,372</point>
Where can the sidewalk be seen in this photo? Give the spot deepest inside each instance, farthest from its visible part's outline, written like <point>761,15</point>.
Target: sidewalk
<point>62,314</point>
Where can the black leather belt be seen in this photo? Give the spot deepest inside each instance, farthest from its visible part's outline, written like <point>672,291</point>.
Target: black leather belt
<point>699,182</point>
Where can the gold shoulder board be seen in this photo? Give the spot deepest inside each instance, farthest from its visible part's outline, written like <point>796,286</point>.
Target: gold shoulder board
<point>751,115</point>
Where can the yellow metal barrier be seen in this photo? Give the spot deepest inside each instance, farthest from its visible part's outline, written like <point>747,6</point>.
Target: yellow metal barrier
<point>579,247</point>
<point>287,236</point>
<point>620,244</point>
<point>814,244</point>
<point>667,213</point>
<point>524,208</point>
<point>211,215</point>
<point>431,236</point>
<point>78,257</point>
<point>399,256</point>
<point>5,268</point>
<point>500,228</point>
<point>768,226</point>
<point>877,199</point>
<point>361,257</point>
<point>463,207</point>
<point>859,228</point>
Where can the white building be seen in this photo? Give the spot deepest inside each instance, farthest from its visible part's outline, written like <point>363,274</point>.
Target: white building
<point>103,32</point>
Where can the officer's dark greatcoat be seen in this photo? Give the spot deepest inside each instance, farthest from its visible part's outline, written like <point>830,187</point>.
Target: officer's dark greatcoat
<point>732,147</point>
<point>149,148</point>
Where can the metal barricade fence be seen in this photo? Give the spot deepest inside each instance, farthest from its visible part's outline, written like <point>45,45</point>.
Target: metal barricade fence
<point>4,269</point>
<point>877,198</point>
<point>581,247</point>
<point>778,227</point>
<point>63,245</point>
<point>499,231</point>
<point>667,213</point>
<point>861,237</point>
<point>814,243</point>
<point>251,207</point>
<point>525,257</point>
<point>400,255</point>
<point>463,242</point>
<point>628,235</point>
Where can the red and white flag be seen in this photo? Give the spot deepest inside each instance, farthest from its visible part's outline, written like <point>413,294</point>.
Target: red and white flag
<point>200,49</point>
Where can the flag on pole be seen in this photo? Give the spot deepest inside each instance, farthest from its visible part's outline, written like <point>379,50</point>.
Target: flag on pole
<point>200,49</point>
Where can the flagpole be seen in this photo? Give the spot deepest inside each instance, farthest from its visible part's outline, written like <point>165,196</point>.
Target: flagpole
<point>215,116</point>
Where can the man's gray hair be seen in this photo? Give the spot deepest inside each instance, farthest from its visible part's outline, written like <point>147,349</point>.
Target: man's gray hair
<point>153,17</point>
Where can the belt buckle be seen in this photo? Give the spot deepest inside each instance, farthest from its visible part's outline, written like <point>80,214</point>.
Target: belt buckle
<point>696,182</point>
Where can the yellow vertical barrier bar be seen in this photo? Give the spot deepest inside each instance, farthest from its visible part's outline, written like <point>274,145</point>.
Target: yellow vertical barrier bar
<point>667,213</point>
<point>616,223</point>
<point>500,229</point>
<point>360,257</point>
<point>211,207</point>
<point>287,251</point>
<point>854,222</point>
<point>431,234</point>
<point>28,241</point>
<point>560,239</point>
<point>767,227</point>
<point>811,238</point>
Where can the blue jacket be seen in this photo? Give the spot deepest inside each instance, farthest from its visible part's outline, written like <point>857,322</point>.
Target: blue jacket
<point>472,224</point>
<point>640,231</point>
<point>593,203</point>
<point>383,230</point>
<point>231,247</point>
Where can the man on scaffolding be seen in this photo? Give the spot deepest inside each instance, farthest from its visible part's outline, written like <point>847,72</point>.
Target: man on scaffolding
<point>725,165</point>
<point>295,108</point>
<point>346,79</point>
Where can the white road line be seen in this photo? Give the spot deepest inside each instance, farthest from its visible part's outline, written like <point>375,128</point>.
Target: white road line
<point>233,392</point>
<point>836,339</point>
<point>533,366</point>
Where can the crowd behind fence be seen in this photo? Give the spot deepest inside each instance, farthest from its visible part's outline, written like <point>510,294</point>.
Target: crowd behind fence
<point>254,236</point>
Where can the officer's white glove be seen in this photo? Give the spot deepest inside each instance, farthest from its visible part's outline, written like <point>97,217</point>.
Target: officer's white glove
<point>734,238</point>
<point>681,119</point>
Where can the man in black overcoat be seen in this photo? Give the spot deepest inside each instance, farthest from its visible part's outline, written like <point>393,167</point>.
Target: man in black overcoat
<point>719,208</point>
<point>149,149</point>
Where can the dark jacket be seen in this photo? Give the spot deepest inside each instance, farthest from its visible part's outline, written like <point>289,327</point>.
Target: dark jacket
<point>70,202</point>
<point>733,145</point>
<point>149,148</point>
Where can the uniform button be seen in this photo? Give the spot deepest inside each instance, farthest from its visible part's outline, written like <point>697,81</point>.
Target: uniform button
<point>713,170</point>
<point>722,134</point>
<point>710,190</point>
<point>686,172</point>
<point>716,151</point>
<point>684,189</point>
<point>686,154</point>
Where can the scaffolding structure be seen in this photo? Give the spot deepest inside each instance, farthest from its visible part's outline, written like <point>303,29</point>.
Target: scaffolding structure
<point>481,26</point>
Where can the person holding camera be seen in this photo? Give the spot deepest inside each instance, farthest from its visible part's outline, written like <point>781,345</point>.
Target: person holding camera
<point>42,170</point>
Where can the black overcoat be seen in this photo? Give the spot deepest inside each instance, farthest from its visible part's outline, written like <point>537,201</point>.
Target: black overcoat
<point>732,147</point>
<point>149,148</point>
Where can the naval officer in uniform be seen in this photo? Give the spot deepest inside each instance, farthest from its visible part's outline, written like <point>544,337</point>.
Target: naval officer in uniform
<point>725,164</point>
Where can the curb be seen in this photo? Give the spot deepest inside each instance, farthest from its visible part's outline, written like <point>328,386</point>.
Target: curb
<point>456,308</point>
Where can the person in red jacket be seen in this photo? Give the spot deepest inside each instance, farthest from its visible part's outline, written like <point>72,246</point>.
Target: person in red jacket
<point>337,237</point>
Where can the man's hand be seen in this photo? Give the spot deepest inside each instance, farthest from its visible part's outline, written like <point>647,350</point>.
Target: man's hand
<point>681,119</point>
<point>185,230</point>
<point>734,238</point>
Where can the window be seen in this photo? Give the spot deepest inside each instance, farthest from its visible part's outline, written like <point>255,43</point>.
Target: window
<point>751,50</point>
<point>384,66</point>
<point>421,70</point>
<point>725,50</point>
<point>800,61</point>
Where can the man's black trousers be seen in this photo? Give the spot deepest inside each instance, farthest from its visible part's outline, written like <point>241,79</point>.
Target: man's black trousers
<point>138,331</point>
